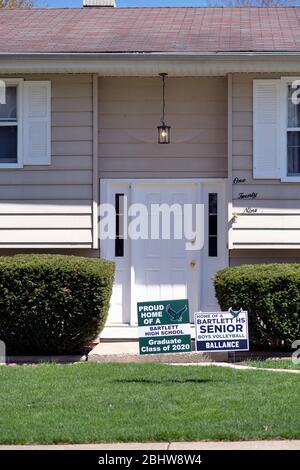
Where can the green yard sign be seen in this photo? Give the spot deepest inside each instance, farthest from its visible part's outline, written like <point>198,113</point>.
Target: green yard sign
<point>164,327</point>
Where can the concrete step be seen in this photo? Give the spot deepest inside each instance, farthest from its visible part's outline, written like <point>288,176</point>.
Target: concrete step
<point>128,351</point>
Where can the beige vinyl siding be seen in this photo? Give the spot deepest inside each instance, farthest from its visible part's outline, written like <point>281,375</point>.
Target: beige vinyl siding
<point>51,206</point>
<point>252,256</point>
<point>84,252</point>
<point>130,111</point>
<point>274,222</point>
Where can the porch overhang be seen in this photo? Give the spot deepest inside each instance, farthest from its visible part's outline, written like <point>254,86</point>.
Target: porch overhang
<point>151,64</point>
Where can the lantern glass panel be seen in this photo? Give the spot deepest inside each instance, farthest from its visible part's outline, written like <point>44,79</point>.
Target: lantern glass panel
<point>164,134</point>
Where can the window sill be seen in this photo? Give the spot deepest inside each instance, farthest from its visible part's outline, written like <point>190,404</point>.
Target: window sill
<point>290,179</point>
<point>5,166</point>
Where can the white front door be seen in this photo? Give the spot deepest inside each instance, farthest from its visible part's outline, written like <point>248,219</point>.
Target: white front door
<point>163,269</point>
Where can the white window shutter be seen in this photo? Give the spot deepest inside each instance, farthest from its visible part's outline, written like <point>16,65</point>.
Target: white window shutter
<point>266,129</point>
<point>37,123</point>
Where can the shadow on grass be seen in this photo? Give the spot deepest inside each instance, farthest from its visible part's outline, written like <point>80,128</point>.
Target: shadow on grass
<point>164,381</point>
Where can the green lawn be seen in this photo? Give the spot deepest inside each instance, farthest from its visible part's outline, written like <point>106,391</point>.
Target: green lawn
<point>272,364</point>
<point>90,402</point>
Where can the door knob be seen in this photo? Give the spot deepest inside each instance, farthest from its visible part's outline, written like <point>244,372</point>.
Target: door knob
<point>193,264</point>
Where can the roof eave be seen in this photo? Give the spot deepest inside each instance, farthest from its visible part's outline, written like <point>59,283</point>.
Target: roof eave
<point>150,64</point>
<point>148,55</point>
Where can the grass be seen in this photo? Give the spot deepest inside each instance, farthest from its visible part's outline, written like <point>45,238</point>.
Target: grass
<point>272,364</point>
<point>91,402</point>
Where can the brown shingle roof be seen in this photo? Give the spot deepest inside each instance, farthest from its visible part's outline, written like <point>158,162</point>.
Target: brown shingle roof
<point>150,30</point>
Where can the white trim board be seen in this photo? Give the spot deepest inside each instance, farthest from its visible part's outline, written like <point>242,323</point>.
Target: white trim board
<point>175,65</point>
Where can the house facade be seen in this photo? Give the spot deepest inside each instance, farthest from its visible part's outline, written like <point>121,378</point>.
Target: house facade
<point>78,128</point>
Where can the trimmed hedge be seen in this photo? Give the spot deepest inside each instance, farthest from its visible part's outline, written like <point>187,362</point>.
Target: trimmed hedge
<point>52,304</point>
<point>271,294</point>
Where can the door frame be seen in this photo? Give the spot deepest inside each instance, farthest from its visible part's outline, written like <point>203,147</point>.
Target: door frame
<point>105,184</point>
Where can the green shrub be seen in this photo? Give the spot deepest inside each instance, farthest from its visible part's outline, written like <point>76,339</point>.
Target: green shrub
<point>271,294</point>
<point>52,304</point>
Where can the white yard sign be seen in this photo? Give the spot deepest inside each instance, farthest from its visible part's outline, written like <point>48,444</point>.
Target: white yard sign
<point>222,331</point>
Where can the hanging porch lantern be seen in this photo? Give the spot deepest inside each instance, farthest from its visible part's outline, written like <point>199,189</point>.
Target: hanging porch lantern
<point>164,131</point>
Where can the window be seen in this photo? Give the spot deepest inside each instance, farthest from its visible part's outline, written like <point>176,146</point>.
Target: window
<point>276,129</point>
<point>289,129</point>
<point>25,123</point>
<point>119,240</point>
<point>10,123</point>
<point>213,224</point>
<point>293,132</point>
